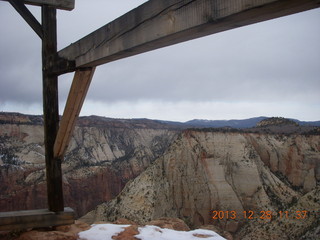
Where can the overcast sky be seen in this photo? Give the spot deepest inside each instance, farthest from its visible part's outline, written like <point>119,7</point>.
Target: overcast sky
<point>266,69</point>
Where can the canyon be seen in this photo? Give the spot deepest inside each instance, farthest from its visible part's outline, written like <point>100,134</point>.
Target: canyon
<point>204,172</point>
<point>103,156</point>
<point>250,184</point>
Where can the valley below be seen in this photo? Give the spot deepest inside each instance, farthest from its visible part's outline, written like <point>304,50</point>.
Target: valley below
<point>253,183</point>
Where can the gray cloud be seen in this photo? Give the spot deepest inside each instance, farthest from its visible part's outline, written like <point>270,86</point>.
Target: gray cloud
<point>258,62</point>
<point>276,61</point>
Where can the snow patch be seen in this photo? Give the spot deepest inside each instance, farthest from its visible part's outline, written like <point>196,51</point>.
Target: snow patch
<point>106,231</point>
<point>157,233</point>
<point>102,232</point>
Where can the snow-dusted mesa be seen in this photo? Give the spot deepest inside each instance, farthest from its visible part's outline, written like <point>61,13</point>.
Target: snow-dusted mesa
<point>107,231</point>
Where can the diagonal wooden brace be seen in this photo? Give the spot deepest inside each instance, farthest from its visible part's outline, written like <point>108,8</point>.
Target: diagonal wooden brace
<point>27,16</point>
<point>59,4</point>
<point>77,94</point>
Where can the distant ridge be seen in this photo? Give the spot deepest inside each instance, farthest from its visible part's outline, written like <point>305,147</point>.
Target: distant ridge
<point>19,118</point>
<point>243,123</point>
<point>305,123</point>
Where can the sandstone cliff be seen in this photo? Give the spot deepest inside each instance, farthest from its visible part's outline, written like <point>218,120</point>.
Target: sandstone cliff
<point>205,171</point>
<point>103,156</point>
<point>188,174</point>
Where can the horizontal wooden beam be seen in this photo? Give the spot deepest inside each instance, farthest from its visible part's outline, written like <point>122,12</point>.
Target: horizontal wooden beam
<point>157,24</point>
<point>60,4</point>
<point>78,91</point>
<point>35,219</point>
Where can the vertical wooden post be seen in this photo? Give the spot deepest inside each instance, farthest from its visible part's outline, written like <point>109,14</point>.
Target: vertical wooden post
<point>51,110</point>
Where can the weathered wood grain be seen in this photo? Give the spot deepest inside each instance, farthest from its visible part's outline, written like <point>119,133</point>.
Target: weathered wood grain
<point>35,219</point>
<point>77,94</point>
<point>51,110</point>
<point>157,24</point>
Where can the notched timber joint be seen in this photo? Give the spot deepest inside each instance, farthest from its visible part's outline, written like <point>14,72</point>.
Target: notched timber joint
<point>56,65</point>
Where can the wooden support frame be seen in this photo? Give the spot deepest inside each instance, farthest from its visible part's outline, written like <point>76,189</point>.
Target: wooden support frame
<point>27,16</point>
<point>57,214</point>
<point>35,219</point>
<point>60,4</point>
<point>77,94</point>
<point>51,110</point>
<point>157,24</point>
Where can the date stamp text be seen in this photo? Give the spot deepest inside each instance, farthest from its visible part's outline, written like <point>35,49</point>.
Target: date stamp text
<point>263,215</point>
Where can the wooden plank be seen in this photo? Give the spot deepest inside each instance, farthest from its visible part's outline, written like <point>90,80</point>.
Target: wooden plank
<point>77,94</point>
<point>60,4</point>
<point>51,110</point>
<point>27,16</point>
<point>157,24</point>
<point>35,219</point>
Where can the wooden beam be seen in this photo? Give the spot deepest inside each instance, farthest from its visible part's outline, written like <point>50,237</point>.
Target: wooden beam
<point>27,16</point>
<point>60,4</point>
<point>77,94</point>
<point>51,110</point>
<point>157,24</point>
<point>35,219</point>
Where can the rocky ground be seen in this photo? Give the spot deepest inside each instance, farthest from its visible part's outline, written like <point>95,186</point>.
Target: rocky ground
<point>131,229</point>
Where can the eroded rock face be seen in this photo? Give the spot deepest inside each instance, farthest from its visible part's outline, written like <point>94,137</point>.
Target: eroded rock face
<point>299,221</point>
<point>295,158</point>
<point>201,172</point>
<point>101,159</point>
<point>205,171</point>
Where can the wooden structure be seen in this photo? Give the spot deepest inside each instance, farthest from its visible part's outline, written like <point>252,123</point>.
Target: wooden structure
<point>59,4</point>
<point>35,218</point>
<point>152,25</point>
<point>47,31</point>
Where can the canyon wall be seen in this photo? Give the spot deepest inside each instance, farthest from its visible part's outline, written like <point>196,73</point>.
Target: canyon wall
<point>142,170</point>
<point>206,171</point>
<point>102,157</point>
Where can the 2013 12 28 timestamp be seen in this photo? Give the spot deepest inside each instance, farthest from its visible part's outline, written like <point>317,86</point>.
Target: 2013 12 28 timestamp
<point>263,215</point>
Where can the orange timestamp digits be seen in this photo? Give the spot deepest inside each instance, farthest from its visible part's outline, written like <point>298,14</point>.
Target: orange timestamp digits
<point>264,215</point>
<point>224,215</point>
<point>293,215</point>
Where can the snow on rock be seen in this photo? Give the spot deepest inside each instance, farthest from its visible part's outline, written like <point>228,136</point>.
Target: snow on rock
<point>157,233</point>
<point>102,232</point>
<point>107,231</point>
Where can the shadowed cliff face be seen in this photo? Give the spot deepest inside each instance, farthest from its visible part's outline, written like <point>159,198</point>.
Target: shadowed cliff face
<point>101,159</point>
<point>206,171</point>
